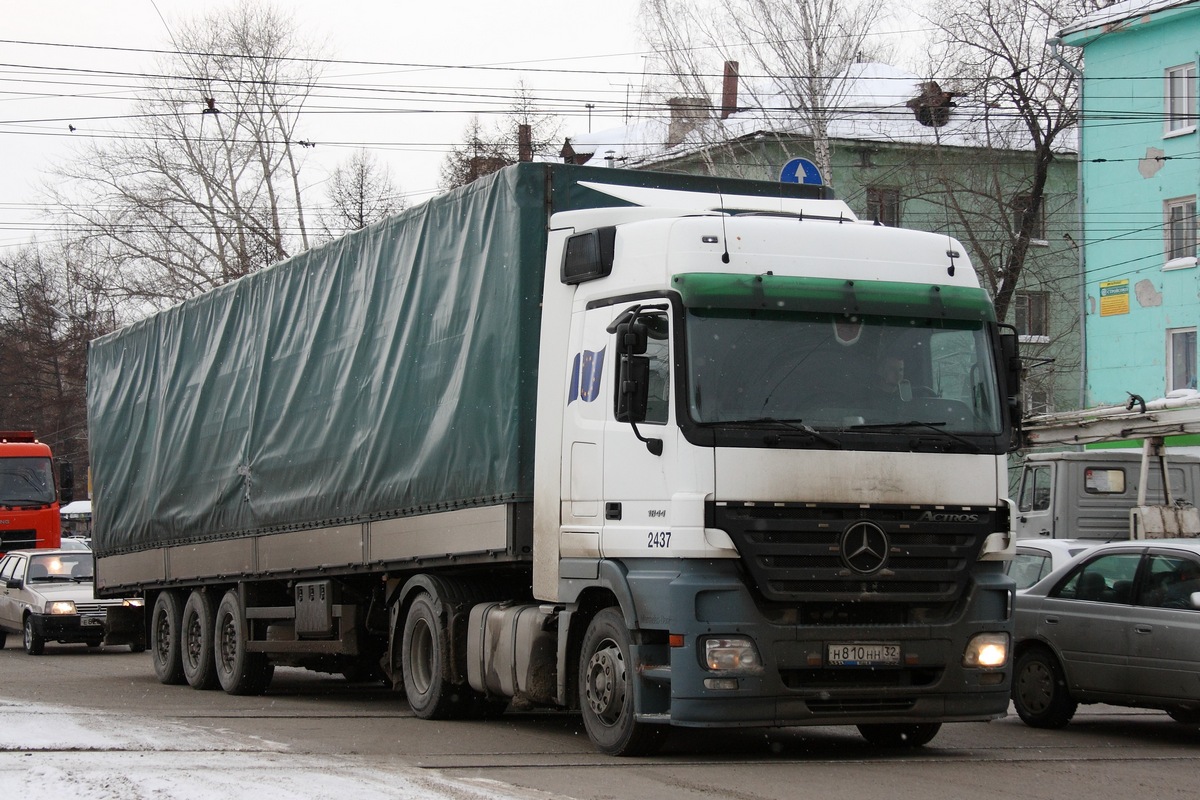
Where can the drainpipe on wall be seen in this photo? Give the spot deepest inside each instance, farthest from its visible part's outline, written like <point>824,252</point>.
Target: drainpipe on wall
<point>1054,44</point>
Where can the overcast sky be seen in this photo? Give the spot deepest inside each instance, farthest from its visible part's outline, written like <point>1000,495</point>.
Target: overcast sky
<point>570,54</point>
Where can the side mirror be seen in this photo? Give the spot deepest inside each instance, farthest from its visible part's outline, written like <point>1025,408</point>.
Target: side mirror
<point>632,337</point>
<point>15,583</point>
<point>634,396</point>
<point>66,482</point>
<point>1010,366</point>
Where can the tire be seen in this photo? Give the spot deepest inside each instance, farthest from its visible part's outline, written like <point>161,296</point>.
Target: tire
<point>1185,716</point>
<point>1040,692</point>
<point>34,644</point>
<point>916,734</point>
<point>196,640</point>
<point>425,653</point>
<point>165,639</point>
<point>606,689</point>
<point>239,671</point>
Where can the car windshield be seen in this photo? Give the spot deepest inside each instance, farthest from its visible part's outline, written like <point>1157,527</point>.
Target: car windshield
<point>841,372</point>
<point>26,481</point>
<point>61,568</point>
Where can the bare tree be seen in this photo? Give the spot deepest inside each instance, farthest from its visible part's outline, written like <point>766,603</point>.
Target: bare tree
<point>206,187</point>
<point>485,151</point>
<point>803,48</point>
<point>1025,94</point>
<point>360,191</point>
<point>51,305</point>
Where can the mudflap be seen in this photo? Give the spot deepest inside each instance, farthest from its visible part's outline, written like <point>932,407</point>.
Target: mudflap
<point>125,625</point>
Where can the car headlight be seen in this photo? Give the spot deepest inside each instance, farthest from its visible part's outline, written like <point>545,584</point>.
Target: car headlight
<point>133,602</point>
<point>731,654</point>
<point>986,650</point>
<point>60,607</point>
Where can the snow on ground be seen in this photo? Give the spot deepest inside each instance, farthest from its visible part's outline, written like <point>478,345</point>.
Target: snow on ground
<point>52,752</point>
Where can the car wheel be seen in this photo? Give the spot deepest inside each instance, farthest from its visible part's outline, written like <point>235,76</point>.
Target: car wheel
<point>1186,716</point>
<point>899,734</point>
<point>34,644</point>
<point>1039,691</point>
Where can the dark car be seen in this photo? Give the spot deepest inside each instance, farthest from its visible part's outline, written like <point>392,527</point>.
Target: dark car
<point>48,595</point>
<point>1118,625</point>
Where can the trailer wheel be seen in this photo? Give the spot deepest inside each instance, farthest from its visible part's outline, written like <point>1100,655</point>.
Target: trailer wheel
<point>34,644</point>
<point>197,628</point>
<point>164,638</point>
<point>1039,691</point>
<point>899,734</point>
<point>238,670</point>
<point>606,686</point>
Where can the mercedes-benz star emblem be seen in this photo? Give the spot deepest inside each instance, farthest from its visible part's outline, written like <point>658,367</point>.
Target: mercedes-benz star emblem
<point>864,547</point>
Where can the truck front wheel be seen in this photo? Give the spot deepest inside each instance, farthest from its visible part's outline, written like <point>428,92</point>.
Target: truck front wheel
<point>164,638</point>
<point>196,628</point>
<point>239,670</point>
<point>606,686</point>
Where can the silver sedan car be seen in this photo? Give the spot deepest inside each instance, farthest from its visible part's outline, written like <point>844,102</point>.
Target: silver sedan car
<point>48,595</point>
<point>1118,625</point>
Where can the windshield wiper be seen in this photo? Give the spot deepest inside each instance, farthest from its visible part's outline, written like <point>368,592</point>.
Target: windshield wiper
<point>936,427</point>
<point>793,426</point>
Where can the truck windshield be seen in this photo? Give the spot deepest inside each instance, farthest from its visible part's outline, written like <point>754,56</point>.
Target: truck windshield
<point>833,371</point>
<point>26,481</point>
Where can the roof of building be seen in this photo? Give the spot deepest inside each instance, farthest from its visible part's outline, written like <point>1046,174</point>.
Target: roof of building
<point>875,103</point>
<point>1121,11</point>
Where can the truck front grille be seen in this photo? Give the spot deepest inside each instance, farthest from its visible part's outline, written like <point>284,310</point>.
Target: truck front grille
<point>798,552</point>
<point>17,540</point>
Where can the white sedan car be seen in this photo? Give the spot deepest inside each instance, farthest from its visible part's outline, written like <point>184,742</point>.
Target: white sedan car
<point>1037,558</point>
<point>48,595</point>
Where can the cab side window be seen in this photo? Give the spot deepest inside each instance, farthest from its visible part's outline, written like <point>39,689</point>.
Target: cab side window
<point>1035,489</point>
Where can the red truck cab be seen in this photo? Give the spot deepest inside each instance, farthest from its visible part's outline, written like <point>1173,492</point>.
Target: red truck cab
<point>29,502</point>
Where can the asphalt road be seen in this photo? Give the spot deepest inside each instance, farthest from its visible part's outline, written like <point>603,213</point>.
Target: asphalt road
<point>309,721</point>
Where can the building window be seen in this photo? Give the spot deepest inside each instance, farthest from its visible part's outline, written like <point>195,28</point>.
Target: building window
<point>1031,313</point>
<point>1019,204</point>
<point>1180,228</point>
<point>1181,359</point>
<point>883,205</point>
<point>1038,401</point>
<point>1181,99</point>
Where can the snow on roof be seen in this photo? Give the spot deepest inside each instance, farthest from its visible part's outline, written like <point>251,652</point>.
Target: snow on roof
<point>1119,12</point>
<point>872,99</point>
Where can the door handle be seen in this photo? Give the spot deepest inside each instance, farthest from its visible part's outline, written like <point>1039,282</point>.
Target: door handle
<point>1143,628</point>
<point>1051,620</point>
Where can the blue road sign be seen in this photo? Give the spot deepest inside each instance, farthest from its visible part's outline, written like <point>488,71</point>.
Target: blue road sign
<point>801,170</point>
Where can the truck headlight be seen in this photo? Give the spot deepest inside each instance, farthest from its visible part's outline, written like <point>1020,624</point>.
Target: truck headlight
<point>731,654</point>
<point>986,650</point>
<point>60,607</point>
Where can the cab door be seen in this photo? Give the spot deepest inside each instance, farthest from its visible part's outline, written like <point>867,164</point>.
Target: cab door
<point>1035,506</point>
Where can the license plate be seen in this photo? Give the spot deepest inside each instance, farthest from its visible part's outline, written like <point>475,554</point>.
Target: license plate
<point>862,654</point>
<point>91,621</point>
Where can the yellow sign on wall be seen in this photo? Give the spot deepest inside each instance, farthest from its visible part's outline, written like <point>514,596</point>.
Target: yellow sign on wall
<point>1114,298</point>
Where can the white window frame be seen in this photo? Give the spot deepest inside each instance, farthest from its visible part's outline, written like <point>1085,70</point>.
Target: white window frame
<point>1179,96</point>
<point>1184,255</point>
<point>1171,348</point>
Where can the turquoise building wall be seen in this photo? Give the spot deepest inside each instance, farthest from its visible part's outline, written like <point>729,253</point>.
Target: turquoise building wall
<point>1129,168</point>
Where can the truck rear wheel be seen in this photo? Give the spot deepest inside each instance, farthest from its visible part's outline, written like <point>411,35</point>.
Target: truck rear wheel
<point>238,670</point>
<point>165,639</point>
<point>424,655</point>
<point>606,686</point>
<point>196,629</point>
